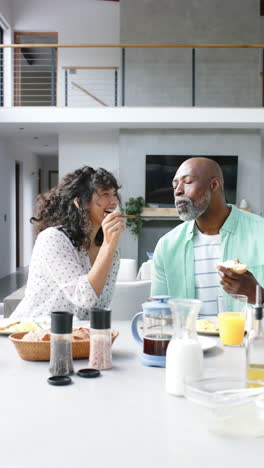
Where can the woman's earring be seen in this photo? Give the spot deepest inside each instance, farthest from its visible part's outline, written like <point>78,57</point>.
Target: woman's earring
<point>76,203</point>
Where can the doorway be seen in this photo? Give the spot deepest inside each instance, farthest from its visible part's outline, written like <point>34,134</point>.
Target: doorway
<point>1,68</point>
<point>35,70</point>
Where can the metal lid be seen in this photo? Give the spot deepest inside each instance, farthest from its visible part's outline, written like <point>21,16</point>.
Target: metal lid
<point>258,306</point>
<point>61,322</point>
<point>100,319</point>
<point>59,380</point>
<point>157,305</point>
<point>258,312</point>
<point>88,373</point>
<point>162,298</point>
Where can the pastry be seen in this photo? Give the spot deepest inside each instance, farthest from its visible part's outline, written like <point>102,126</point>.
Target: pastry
<point>234,265</point>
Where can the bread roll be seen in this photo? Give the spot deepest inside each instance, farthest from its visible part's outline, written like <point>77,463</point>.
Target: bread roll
<point>235,266</point>
<point>37,335</point>
<point>81,333</point>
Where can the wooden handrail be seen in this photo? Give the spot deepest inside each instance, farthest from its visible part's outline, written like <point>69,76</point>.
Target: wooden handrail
<point>89,94</point>
<point>152,46</point>
<point>90,68</point>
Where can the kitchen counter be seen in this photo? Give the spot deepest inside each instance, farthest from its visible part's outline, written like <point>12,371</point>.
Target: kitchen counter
<point>123,419</point>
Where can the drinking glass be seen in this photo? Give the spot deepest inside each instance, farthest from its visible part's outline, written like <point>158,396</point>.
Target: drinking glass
<point>232,310</point>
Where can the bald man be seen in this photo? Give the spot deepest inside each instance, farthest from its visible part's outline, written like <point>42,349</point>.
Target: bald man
<point>185,259</point>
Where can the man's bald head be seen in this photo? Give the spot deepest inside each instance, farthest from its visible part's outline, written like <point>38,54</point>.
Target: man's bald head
<point>198,184</point>
<point>205,167</point>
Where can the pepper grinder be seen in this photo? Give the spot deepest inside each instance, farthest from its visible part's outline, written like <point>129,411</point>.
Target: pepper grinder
<point>61,344</point>
<point>100,339</point>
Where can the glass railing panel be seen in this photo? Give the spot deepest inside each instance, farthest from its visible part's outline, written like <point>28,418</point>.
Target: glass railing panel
<point>228,78</point>
<point>158,77</point>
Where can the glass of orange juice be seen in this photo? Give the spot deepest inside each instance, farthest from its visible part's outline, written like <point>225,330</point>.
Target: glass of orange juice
<point>232,311</point>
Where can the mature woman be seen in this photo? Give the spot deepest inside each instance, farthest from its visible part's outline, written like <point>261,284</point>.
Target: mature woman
<point>75,261</point>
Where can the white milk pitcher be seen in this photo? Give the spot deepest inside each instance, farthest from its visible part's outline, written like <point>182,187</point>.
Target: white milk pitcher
<point>184,358</point>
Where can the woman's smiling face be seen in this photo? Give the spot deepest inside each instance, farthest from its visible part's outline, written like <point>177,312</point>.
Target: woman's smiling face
<point>103,201</point>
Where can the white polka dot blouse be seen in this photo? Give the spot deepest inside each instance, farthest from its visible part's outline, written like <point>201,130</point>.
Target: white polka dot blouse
<point>58,280</point>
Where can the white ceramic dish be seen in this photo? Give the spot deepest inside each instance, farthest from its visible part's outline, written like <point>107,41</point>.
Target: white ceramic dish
<point>206,342</point>
<point>18,327</point>
<point>209,332</point>
<point>6,332</point>
<point>215,392</point>
<point>41,323</point>
<point>231,409</point>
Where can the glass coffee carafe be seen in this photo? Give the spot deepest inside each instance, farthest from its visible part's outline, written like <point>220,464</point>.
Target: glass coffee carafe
<point>157,330</point>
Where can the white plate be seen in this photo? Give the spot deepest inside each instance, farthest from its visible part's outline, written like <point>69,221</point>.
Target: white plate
<point>206,343</point>
<point>212,318</point>
<point>8,331</point>
<point>208,332</point>
<point>44,323</point>
<point>3,323</point>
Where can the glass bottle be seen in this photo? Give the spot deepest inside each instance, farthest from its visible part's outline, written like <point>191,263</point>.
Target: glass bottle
<point>100,339</point>
<point>61,344</point>
<point>255,345</point>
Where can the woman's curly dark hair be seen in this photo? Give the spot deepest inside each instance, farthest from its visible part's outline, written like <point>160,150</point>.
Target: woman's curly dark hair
<point>57,208</point>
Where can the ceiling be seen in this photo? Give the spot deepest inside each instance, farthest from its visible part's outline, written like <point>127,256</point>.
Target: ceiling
<point>39,131</point>
<point>37,142</point>
<point>53,120</point>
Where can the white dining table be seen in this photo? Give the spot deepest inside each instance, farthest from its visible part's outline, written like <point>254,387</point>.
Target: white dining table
<point>123,419</point>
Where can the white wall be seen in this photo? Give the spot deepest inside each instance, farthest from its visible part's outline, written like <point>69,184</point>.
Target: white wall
<point>6,21</point>
<point>6,11</point>
<point>9,154</point>
<point>224,77</point>
<point>135,144</point>
<point>96,149</point>
<point>7,207</point>
<point>78,22</point>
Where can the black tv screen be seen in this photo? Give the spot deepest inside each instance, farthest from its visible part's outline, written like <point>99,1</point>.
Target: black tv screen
<point>161,169</point>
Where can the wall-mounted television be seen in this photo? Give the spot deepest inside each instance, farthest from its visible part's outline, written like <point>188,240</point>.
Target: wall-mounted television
<point>160,170</point>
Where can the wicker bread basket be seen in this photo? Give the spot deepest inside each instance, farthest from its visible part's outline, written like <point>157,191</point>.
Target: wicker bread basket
<point>40,350</point>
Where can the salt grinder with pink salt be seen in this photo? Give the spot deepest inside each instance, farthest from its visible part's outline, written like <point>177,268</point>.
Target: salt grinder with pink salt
<point>100,339</point>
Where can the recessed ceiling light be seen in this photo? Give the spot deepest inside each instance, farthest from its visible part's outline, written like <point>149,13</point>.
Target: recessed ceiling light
<point>36,138</point>
<point>21,128</point>
<point>45,145</point>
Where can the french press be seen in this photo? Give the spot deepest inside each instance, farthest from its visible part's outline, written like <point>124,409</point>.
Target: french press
<point>157,330</point>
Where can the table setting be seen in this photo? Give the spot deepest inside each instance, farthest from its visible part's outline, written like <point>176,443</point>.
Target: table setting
<point>129,404</point>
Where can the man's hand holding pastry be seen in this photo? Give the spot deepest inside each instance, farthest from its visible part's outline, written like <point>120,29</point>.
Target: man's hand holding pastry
<point>236,279</point>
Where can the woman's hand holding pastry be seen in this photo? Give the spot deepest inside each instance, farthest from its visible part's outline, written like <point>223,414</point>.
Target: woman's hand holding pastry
<point>113,225</point>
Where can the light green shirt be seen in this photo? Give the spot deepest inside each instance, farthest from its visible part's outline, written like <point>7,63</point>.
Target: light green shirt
<point>241,236</point>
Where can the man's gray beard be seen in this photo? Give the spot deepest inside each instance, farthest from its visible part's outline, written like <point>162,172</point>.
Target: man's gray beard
<point>194,210</point>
